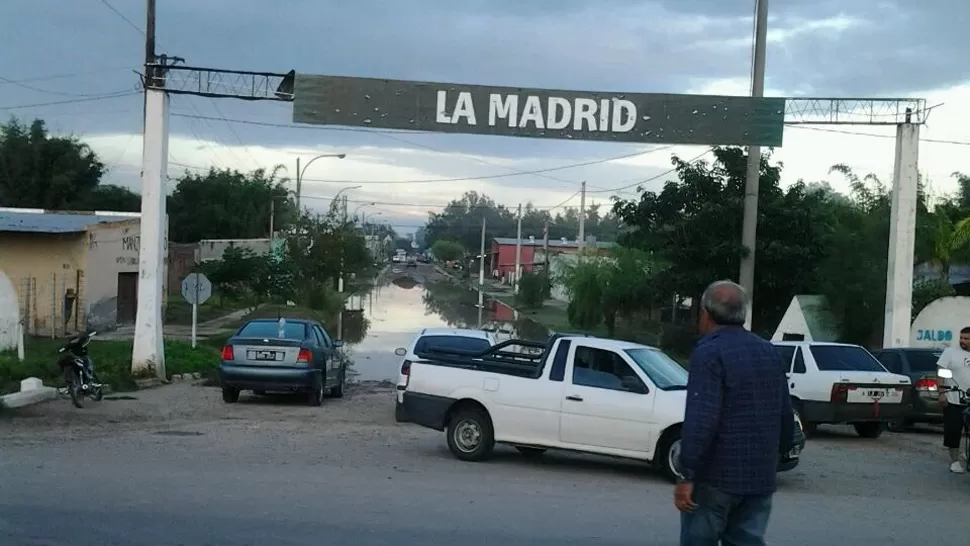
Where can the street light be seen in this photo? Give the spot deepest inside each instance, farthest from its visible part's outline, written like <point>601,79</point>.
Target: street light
<point>361,206</point>
<point>300,172</point>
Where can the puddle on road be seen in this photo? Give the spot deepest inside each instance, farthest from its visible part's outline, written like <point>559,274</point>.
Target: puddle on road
<point>394,311</point>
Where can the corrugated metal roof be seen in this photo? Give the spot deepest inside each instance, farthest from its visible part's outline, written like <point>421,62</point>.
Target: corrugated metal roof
<point>553,243</point>
<point>30,221</point>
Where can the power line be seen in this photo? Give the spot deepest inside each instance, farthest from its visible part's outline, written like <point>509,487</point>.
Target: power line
<point>64,75</point>
<point>652,178</point>
<point>115,95</point>
<point>426,205</point>
<point>482,177</point>
<point>41,90</point>
<point>123,17</point>
<point>854,133</point>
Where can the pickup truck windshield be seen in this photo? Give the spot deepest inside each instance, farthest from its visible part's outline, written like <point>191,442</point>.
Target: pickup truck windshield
<point>662,370</point>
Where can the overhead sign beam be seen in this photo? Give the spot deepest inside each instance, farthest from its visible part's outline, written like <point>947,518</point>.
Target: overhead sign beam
<point>538,113</point>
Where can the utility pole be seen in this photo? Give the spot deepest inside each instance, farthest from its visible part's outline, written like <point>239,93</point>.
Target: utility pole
<point>148,352</point>
<point>545,250</point>
<point>518,250</point>
<point>272,217</point>
<point>749,225</point>
<point>481,259</point>
<point>582,217</point>
<point>299,188</point>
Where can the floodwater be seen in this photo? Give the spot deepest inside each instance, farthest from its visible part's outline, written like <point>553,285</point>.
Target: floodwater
<point>404,302</point>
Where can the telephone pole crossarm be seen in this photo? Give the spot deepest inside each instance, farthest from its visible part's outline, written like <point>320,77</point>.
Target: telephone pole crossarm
<point>219,83</point>
<point>858,111</point>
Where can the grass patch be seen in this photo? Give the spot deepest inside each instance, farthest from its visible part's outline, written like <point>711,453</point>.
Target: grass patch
<point>179,311</point>
<point>112,360</point>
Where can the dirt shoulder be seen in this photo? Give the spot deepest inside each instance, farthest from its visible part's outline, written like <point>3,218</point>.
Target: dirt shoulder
<point>184,404</point>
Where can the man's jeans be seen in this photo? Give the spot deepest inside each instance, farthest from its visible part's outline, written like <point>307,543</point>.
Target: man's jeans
<point>722,518</point>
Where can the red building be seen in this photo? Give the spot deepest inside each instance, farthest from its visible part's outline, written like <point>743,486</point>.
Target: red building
<point>502,255</point>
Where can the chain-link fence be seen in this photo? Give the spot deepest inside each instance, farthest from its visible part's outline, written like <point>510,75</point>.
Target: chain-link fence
<point>51,304</point>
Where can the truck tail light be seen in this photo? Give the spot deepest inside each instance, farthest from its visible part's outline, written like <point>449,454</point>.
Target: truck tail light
<point>927,384</point>
<point>304,357</point>
<point>228,353</point>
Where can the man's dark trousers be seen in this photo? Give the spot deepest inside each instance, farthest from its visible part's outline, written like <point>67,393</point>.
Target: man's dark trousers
<point>723,518</point>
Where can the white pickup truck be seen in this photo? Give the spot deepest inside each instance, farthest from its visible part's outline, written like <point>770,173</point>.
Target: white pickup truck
<point>581,394</point>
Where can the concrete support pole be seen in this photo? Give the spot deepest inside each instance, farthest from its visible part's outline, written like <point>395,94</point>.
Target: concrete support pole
<point>518,252</point>
<point>902,237</point>
<point>148,350</point>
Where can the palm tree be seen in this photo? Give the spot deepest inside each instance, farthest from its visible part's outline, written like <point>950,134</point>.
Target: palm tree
<point>949,237</point>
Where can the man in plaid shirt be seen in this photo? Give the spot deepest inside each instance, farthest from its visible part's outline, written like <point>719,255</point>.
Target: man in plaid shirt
<point>738,419</point>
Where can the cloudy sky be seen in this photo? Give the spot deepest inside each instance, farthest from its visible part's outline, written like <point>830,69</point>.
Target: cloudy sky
<point>60,59</point>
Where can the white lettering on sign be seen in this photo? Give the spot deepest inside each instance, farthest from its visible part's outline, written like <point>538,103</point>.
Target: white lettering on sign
<point>582,114</point>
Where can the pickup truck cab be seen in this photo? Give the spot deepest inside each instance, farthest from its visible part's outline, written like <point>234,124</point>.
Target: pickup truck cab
<point>582,394</point>
<point>832,383</point>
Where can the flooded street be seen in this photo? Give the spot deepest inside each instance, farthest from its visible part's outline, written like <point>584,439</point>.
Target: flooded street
<point>403,303</point>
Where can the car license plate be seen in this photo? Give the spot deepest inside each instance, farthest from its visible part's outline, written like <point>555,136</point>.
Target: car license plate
<point>263,355</point>
<point>870,395</point>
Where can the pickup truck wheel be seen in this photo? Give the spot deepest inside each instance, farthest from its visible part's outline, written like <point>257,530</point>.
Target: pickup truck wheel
<point>530,452</point>
<point>470,435</point>
<point>869,430</point>
<point>668,456</point>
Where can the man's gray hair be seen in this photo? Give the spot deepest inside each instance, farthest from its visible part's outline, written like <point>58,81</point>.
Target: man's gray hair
<point>726,302</point>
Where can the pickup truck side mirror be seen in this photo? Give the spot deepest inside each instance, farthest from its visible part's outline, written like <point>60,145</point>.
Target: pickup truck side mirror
<point>633,384</point>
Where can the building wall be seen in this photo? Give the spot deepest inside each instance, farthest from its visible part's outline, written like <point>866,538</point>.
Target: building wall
<point>506,258</point>
<point>112,263</point>
<point>181,261</point>
<point>42,267</point>
<point>793,322</point>
<point>9,314</point>
<point>938,325</point>
<point>212,249</point>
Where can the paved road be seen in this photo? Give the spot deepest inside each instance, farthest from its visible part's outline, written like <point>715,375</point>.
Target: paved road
<point>273,472</point>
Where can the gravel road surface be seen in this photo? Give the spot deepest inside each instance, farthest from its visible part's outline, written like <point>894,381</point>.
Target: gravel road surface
<point>176,466</point>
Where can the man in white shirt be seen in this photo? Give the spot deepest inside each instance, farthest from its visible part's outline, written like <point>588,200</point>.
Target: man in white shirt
<point>957,360</point>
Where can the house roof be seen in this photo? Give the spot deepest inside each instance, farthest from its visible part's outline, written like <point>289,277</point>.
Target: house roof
<point>553,243</point>
<point>41,221</point>
<point>818,315</point>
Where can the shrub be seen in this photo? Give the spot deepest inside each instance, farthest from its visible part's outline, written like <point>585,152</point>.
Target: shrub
<point>533,290</point>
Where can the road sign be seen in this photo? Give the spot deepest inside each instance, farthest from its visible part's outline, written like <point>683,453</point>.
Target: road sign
<point>539,113</point>
<point>196,289</point>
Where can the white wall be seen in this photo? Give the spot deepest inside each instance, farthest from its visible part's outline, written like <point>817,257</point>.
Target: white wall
<point>793,322</point>
<point>9,314</point>
<point>212,249</point>
<point>938,325</point>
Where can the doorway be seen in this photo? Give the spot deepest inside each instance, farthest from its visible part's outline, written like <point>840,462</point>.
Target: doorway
<point>127,297</point>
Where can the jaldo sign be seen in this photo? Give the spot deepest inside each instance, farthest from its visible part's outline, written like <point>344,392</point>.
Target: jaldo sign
<point>539,113</point>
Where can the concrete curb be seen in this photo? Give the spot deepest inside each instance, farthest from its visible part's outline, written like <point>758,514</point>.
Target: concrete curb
<point>32,391</point>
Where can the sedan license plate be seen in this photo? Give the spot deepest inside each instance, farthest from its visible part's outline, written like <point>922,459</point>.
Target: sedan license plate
<point>264,355</point>
<point>869,395</point>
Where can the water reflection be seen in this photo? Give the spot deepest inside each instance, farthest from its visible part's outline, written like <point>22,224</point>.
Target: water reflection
<point>403,303</point>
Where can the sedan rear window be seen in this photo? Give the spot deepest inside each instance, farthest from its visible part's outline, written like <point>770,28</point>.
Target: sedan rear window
<point>270,330</point>
<point>461,343</point>
<point>923,361</point>
<point>844,358</point>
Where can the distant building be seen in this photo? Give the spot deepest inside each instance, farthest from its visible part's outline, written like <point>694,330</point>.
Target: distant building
<point>71,270</point>
<point>502,255</point>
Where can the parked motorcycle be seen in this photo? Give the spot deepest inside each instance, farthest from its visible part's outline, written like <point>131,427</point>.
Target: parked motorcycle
<point>78,370</point>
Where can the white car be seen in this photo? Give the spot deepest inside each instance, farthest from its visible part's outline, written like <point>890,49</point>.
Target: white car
<point>447,338</point>
<point>839,383</point>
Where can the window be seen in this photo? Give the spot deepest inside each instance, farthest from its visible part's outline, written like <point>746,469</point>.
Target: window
<point>321,337</point>
<point>558,371</point>
<point>600,368</point>
<point>270,329</point>
<point>923,361</point>
<point>461,343</point>
<point>787,353</point>
<point>664,371</point>
<point>798,366</point>
<point>845,358</point>
<point>891,360</point>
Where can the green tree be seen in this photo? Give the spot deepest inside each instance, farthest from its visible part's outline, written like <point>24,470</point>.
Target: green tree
<point>228,204</point>
<point>694,225</point>
<point>38,170</point>
<point>446,251</point>
<point>533,290</point>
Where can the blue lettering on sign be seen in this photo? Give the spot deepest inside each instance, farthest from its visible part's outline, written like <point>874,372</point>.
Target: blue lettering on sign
<point>934,335</point>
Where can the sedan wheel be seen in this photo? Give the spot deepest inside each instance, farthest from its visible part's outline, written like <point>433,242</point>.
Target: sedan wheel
<point>315,396</point>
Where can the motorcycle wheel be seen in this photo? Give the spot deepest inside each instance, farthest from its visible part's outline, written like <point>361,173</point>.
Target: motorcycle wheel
<point>73,381</point>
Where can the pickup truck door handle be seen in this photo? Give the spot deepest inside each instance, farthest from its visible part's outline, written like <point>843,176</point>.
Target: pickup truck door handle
<point>574,398</point>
